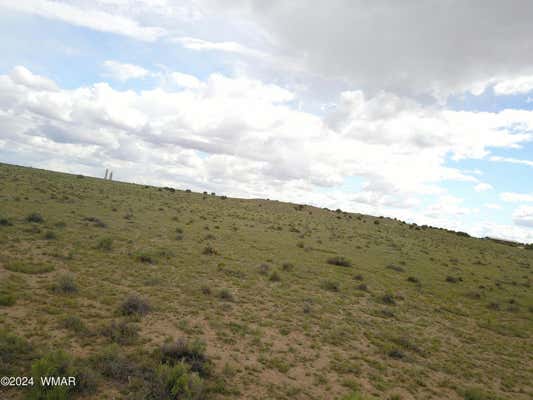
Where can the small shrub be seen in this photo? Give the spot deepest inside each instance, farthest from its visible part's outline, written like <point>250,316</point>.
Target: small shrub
<point>192,353</point>
<point>287,266</point>
<point>493,306</point>
<point>388,299</point>
<point>13,350</point>
<point>413,279</point>
<point>225,294</point>
<point>453,279</point>
<point>264,269</point>
<point>7,300</point>
<point>35,218</point>
<point>5,222</point>
<point>112,364</point>
<point>340,261</point>
<point>50,235</point>
<point>300,245</point>
<point>209,251</point>
<point>206,290</point>
<point>145,258</point>
<point>362,287</point>
<point>177,382</point>
<point>397,354</point>
<point>332,286</point>
<point>275,277</point>
<point>358,277</point>
<point>75,324</point>
<point>105,244</point>
<point>134,305</point>
<point>65,284</point>
<point>478,394</point>
<point>122,332</point>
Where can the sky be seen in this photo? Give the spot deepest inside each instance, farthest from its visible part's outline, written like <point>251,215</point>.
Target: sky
<point>417,110</point>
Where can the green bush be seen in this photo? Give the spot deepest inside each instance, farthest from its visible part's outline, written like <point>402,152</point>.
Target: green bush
<point>177,382</point>
<point>13,350</point>
<point>192,353</point>
<point>122,332</point>
<point>65,284</point>
<point>332,286</point>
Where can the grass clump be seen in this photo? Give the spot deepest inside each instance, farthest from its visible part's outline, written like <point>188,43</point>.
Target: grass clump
<point>13,351</point>
<point>29,268</point>
<point>274,277</point>
<point>192,353</point>
<point>65,284</point>
<point>50,235</point>
<point>75,324</point>
<point>134,305</point>
<point>7,300</point>
<point>453,279</point>
<point>264,269</point>
<point>35,218</point>
<point>340,261</point>
<point>225,294</point>
<point>209,251</point>
<point>5,222</point>
<point>122,332</point>
<point>331,286</point>
<point>287,266</point>
<point>105,244</point>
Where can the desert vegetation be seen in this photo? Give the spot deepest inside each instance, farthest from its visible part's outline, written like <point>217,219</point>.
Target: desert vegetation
<point>158,293</point>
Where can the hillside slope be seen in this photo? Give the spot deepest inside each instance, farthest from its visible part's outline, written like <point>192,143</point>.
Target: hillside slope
<point>265,299</point>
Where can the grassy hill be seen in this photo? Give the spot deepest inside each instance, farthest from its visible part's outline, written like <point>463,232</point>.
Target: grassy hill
<point>145,292</point>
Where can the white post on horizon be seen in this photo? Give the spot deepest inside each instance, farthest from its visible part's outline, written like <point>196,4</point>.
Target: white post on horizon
<point>106,171</point>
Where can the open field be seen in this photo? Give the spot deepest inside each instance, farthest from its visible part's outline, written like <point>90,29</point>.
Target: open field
<point>160,293</point>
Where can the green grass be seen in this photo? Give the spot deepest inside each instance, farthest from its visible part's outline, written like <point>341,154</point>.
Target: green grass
<point>288,301</point>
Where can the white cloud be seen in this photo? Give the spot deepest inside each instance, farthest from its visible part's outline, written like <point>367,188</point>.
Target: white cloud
<point>523,216</point>
<point>81,15</point>
<point>520,85</point>
<point>185,80</point>
<point>123,71</point>
<point>23,76</point>
<point>483,187</point>
<point>493,206</point>
<point>229,47</point>
<point>511,197</point>
<point>511,160</point>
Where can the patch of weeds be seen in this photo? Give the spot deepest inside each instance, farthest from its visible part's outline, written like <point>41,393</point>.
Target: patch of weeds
<point>122,332</point>
<point>396,354</point>
<point>113,364</point>
<point>264,269</point>
<point>29,268</point>
<point>358,277</point>
<point>413,279</point>
<point>363,287</point>
<point>331,286</point>
<point>388,299</point>
<point>145,258</point>
<point>5,222</point>
<point>340,261</point>
<point>50,235</point>
<point>191,353</point>
<point>209,250</point>
<point>478,394</point>
<point>105,244</point>
<point>65,284</point>
<point>453,279</point>
<point>206,290</point>
<point>60,364</point>
<point>225,294</point>
<point>177,382</point>
<point>35,218</point>
<point>7,300</point>
<point>274,277</point>
<point>13,350</point>
<point>134,305</point>
<point>75,324</point>
<point>287,266</point>
<point>96,222</point>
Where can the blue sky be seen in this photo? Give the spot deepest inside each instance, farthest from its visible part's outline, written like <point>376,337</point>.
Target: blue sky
<point>252,102</point>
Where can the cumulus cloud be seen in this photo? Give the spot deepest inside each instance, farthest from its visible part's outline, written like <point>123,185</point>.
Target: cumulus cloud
<point>523,216</point>
<point>123,71</point>
<point>520,85</point>
<point>516,197</point>
<point>197,135</point>
<point>483,187</point>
